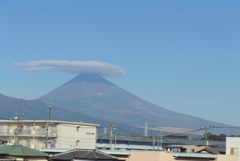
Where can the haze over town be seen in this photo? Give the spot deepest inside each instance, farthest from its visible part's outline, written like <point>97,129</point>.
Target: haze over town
<point>180,55</point>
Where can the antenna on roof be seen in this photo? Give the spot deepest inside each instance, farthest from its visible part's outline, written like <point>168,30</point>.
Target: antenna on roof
<point>50,106</point>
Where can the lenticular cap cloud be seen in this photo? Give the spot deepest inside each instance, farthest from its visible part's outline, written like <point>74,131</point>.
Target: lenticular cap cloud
<point>72,67</point>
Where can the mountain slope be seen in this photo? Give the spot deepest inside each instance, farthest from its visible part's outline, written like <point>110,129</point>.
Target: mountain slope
<point>38,110</point>
<point>93,95</point>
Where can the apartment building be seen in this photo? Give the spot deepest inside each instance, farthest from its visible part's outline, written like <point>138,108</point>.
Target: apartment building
<point>38,134</point>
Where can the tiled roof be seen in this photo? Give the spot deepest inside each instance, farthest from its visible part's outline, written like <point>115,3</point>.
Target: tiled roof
<point>83,154</point>
<point>19,150</point>
<point>214,150</point>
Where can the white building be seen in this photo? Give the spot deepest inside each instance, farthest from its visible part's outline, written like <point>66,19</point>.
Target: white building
<point>233,146</point>
<point>60,134</point>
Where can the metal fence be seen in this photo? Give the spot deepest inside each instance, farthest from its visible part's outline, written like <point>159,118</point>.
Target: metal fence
<point>157,139</point>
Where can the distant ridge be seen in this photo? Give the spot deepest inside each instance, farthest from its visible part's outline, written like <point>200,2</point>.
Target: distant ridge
<point>93,95</point>
<point>37,110</point>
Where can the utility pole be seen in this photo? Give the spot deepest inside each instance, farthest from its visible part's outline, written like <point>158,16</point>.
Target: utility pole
<point>146,129</point>
<point>34,133</point>
<point>111,127</point>
<point>115,141</point>
<point>159,141</point>
<point>153,143</point>
<point>17,130</point>
<point>50,106</point>
<point>206,133</point>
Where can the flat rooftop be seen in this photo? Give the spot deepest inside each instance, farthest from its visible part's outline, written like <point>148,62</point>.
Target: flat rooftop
<point>51,121</point>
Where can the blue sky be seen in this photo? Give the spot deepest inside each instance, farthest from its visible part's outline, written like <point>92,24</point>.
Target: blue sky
<point>181,55</point>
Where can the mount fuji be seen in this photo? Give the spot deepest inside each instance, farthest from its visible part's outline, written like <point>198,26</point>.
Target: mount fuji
<point>93,95</point>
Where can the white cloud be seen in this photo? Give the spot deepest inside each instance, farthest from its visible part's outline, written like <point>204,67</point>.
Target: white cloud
<point>72,67</point>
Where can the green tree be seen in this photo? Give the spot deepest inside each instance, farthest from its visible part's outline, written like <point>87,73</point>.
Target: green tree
<point>220,137</point>
<point>177,136</point>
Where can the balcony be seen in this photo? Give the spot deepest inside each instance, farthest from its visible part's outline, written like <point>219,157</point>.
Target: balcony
<point>7,131</point>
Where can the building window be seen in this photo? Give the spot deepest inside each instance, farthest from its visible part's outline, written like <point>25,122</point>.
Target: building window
<point>234,151</point>
<point>77,142</point>
<point>78,128</point>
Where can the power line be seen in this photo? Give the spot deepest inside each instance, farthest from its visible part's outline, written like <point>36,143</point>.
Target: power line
<point>188,132</point>
<point>227,127</point>
<point>2,118</point>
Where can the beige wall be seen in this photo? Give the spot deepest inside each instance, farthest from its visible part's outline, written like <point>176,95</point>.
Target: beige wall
<point>165,156</point>
<point>61,134</point>
<point>150,156</point>
<point>228,158</point>
<point>162,156</point>
<point>76,136</point>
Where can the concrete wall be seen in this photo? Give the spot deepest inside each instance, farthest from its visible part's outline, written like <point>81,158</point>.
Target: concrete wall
<point>61,134</point>
<point>233,146</point>
<point>76,136</point>
<point>150,156</point>
<point>165,156</point>
<point>228,158</point>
